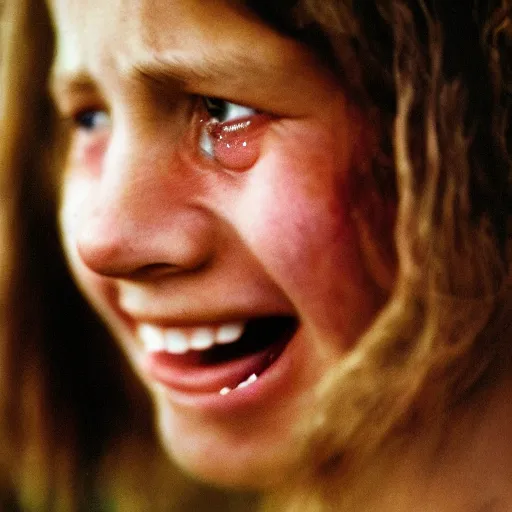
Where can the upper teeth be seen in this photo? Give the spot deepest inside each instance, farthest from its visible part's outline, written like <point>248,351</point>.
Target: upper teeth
<point>180,341</point>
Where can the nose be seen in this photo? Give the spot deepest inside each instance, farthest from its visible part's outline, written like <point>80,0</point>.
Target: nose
<point>142,216</point>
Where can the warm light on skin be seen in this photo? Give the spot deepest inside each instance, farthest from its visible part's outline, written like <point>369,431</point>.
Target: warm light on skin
<point>156,231</point>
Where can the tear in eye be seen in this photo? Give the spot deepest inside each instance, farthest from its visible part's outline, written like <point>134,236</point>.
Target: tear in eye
<point>231,133</point>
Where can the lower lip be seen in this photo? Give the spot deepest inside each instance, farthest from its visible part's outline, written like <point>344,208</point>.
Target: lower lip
<point>199,387</point>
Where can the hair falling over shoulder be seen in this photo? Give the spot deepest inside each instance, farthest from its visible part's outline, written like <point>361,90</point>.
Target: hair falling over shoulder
<point>434,78</point>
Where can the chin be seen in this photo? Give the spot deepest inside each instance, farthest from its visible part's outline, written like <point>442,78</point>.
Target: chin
<point>232,457</point>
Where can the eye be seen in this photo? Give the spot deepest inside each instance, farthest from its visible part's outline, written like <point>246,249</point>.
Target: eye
<point>225,111</point>
<point>91,120</point>
<point>231,133</point>
<point>89,135</point>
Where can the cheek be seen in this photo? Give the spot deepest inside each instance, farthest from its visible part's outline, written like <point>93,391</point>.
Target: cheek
<point>310,239</point>
<point>74,193</point>
<point>300,226</point>
<point>87,151</point>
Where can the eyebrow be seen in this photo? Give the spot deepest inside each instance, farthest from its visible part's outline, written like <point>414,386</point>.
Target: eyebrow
<point>178,71</point>
<point>186,73</point>
<point>169,72</point>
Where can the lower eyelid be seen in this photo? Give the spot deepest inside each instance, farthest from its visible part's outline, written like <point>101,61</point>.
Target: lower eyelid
<point>234,145</point>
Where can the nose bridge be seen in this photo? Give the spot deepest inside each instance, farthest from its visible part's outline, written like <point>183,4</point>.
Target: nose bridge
<point>142,164</point>
<point>142,211</point>
<point>142,155</point>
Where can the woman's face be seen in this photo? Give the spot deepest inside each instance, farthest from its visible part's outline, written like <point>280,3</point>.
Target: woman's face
<point>206,213</point>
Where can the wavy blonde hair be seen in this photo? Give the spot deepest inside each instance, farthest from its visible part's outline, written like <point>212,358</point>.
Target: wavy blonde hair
<point>446,330</point>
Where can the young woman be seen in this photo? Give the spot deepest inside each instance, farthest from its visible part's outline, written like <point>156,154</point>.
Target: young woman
<point>294,220</point>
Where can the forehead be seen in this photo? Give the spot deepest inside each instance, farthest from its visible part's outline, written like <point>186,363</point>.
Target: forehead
<point>207,47</point>
<point>113,33</point>
<point>154,22</point>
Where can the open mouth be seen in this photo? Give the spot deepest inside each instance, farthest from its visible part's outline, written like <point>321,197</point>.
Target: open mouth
<point>217,359</point>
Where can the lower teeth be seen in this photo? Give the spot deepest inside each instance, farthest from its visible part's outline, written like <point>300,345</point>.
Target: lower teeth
<point>251,380</point>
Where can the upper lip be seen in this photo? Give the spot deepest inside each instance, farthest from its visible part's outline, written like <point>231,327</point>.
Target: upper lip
<point>194,317</point>
<point>163,309</point>
<point>197,322</point>
<point>203,319</point>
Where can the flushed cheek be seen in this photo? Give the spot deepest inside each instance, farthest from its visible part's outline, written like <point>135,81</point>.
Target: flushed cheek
<point>87,152</point>
<point>301,229</point>
<point>311,247</point>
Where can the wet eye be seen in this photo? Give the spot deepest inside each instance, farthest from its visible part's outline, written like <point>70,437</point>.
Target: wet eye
<point>90,120</point>
<point>225,111</point>
<point>231,133</point>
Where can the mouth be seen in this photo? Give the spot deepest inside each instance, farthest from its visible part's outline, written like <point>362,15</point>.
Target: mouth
<point>221,359</point>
